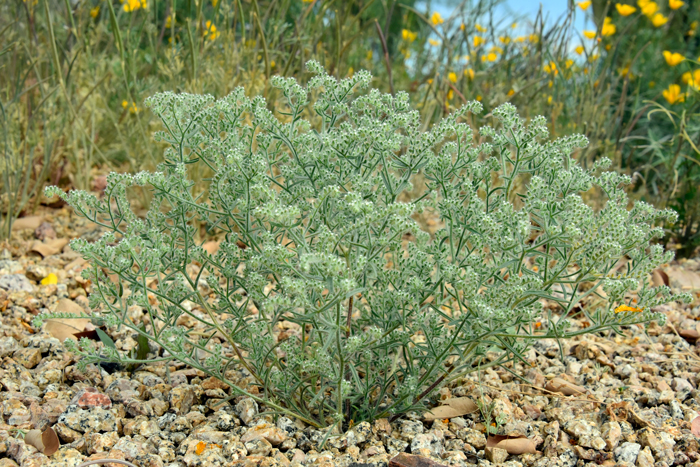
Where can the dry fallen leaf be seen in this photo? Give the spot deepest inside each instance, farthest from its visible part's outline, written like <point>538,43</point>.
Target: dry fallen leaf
<point>46,442</point>
<point>658,278</point>
<point>29,222</point>
<point>49,248</point>
<point>683,279</point>
<point>514,446</point>
<point>65,328</point>
<point>564,387</point>
<point>454,407</point>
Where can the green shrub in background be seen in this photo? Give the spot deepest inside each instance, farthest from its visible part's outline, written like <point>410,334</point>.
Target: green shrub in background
<point>379,313</point>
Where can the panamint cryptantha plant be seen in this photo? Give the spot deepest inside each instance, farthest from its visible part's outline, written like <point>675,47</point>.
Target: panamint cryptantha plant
<point>325,290</point>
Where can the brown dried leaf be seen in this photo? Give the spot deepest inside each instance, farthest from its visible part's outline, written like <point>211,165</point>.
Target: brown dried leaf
<point>46,442</point>
<point>562,386</point>
<point>65,328</point>
<point>658,278</point>
<point>683,279</point>
<point>514,446</point>
<point>29,222</point>
<point>453,407</point>
<point>49,248</point>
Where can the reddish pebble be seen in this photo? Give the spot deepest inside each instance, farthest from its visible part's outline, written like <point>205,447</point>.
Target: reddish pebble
<point>90,397</point>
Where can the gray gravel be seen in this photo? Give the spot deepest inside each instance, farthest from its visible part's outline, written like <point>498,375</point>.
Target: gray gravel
<point>641,397</point>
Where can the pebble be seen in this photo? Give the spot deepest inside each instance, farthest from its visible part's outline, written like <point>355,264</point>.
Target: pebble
<point>16,283</point>
<point>247,410</point>
<point>627,452</point>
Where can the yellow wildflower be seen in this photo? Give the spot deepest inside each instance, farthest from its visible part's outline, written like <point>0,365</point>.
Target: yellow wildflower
<point>520,39</point>
<point>462,27</point>
<point>478,40</point>
<point>496,49</point>
<point>534,38</point>
<point>673,58</point>
<point>434,42</point>
<point>452,76</point>
<point>608,28</point>
<point>132,108</point>
<point>408,35</point>
<point>436,19</point>
<point>214,3</point>
<point>514,25</point>
<point>551,67</point>
<point>608,46</point>
<point>673,94</point>
<point>675,4</point>
<point>479,28</point>
<point>568,63</point>
<point>625,308</point>
<point>589,34</point>
<point>551,83</point>
<point>211,32</point>
<point>450,94</point>
<point>583,5</point>
<point>692,79</point>
<point>625,10</point>
<point>659,20</point>
<point>594,57</point>
<point>469,73</point>
<point>652,84</point>
<point>95,11</point>
<point>504,39</point>
<point>168,21</point>
<point>511,92</point>
<point>369,55</point>
<point>478,98</point>
<point>693,27</point>
<point>491,57</point>
<point>648,8</point>
<point>50,279</point>
<point>549,100</point>
<point>133,5</point>
<point>580,49</point>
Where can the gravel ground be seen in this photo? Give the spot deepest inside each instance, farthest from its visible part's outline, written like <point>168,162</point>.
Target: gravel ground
<point>639,406</point>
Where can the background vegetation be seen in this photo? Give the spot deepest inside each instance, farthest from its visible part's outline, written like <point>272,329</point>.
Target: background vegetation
<point>74,75</point>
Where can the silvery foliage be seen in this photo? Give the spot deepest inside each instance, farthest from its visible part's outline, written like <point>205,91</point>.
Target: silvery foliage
<point>317,227</point>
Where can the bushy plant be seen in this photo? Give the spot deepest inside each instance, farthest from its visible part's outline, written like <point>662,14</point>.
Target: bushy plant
<point>311,200</point>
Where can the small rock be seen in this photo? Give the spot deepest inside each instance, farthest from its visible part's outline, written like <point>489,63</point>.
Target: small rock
<point>101,442</point>
<point>427,444</point>
<point>411,460</point>
<point>16,283</point>
<point>496,455</point>
<point>91,420</point>
<point>91,397</point>
<point>44,231</point>
<point>611,433</point>
<point>247,410</point>
<point>271,433</point>
<point>627,452</point>
<point>258,447</point>
<point>122,390</point>
<point>8,345</point>
<point>36,272</point>
<point>472,437</point>
<point>682,387</point>
<point>645,458</point>
<point>181,399</point>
